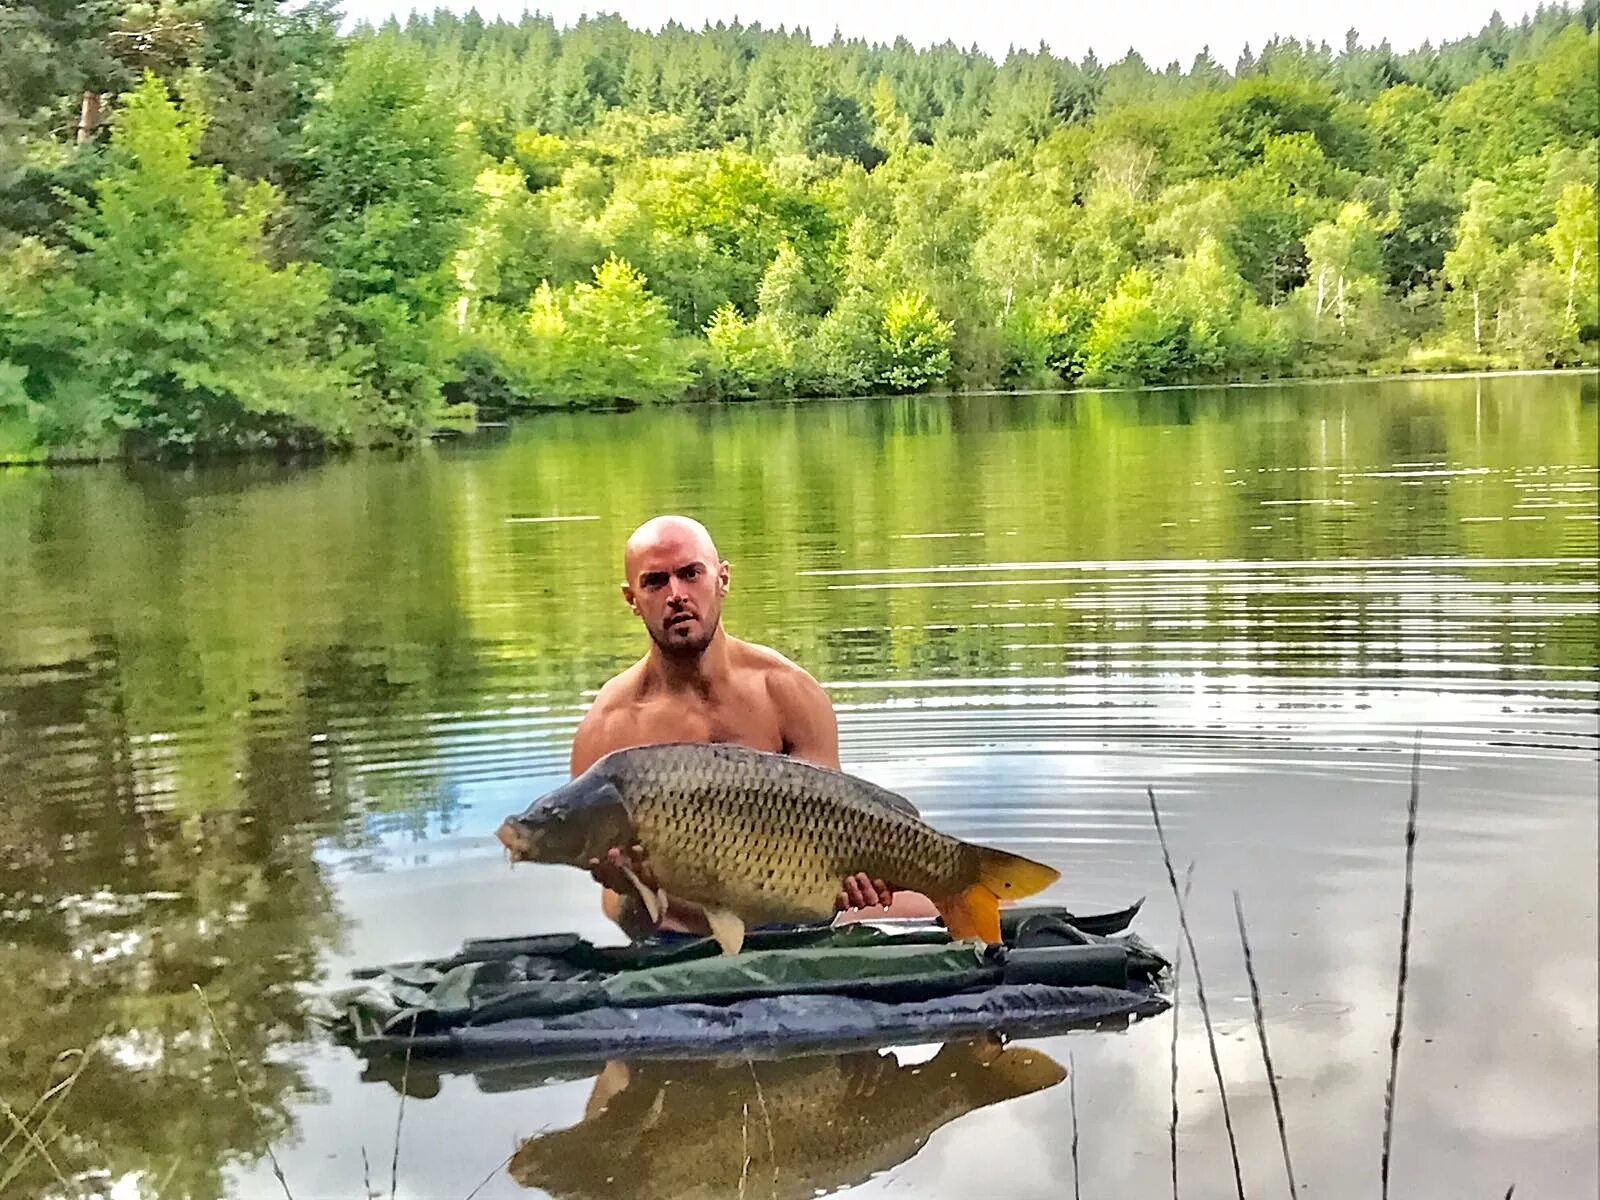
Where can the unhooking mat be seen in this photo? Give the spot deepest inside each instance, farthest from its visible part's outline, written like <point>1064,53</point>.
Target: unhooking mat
<point>561,997</point>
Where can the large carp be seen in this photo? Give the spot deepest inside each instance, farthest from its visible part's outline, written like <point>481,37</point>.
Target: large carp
<point>786,1130</point>
<point>756,837</point>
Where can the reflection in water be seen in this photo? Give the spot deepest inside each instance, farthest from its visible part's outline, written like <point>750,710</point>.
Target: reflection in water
<point>115,911</point>
<point>789,1129</point>
<point>256,723</point>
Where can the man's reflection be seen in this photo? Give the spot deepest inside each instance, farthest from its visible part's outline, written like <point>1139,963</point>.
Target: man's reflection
<point>789,1129</point>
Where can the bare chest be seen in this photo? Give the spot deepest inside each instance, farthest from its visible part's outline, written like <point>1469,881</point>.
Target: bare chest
<point>746,720</point>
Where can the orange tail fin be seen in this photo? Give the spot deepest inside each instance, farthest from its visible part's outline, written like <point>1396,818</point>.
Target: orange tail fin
<point>975,912</point>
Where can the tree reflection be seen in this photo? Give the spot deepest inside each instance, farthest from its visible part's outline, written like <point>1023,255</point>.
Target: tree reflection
<point>117,908</point>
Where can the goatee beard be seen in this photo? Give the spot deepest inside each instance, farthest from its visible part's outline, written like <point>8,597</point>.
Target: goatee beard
<point>688,650</point>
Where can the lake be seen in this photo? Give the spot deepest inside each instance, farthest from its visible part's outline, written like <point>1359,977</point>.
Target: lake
<point>258,723</point>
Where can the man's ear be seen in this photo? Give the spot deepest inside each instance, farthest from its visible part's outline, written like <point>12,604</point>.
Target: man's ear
<point>722,578</point>
<point>627,598</point>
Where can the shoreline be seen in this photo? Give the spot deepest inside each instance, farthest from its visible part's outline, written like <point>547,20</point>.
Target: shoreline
<point>301,457</point>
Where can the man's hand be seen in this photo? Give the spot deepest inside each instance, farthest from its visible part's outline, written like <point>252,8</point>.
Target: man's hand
<point>860,891</point>
<point>622,901</point>
<point>611,871</point>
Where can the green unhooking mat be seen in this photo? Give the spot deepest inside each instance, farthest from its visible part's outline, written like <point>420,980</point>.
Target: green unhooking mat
<point>558,995</point>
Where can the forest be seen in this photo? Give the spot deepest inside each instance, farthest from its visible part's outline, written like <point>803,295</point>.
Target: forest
<point>233,225</point>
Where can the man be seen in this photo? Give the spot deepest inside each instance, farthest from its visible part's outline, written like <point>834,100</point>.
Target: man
<point>698,683</point>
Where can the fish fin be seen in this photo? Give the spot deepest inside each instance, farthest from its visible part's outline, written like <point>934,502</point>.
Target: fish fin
<point>974,913</point>
<point>652,901</point>
<point>657,1107</point>
<point>727,928</point>
<point>984,1049</point>
<point>1010,876</point>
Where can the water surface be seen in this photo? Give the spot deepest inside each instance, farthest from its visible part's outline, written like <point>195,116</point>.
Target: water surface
<point>258,723</point>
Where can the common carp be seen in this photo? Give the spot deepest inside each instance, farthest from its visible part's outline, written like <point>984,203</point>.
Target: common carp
<point>786,1130</point>
<point>755,837</point>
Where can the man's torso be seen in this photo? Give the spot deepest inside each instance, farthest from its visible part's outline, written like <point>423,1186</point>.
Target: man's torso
<point>740,709</point>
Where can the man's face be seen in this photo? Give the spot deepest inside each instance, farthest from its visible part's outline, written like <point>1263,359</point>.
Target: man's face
<point>676,586</point>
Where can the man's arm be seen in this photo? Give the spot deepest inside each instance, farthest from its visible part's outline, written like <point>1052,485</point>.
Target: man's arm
<point>588,743</point>
<point>811,732</point>
<point>805,716</point>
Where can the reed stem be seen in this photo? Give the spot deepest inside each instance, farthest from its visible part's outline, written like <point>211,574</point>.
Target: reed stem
<point>1266,1052</point>
<point>1200,991</point>
<point>1405,955</point>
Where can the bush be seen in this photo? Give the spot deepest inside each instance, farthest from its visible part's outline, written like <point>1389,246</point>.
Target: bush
<point>746,359</point>
<point>1136,336</point>
<point>592,343</point>
<point>841,357</point>
<point>914,343</point>
<point>170,327</point>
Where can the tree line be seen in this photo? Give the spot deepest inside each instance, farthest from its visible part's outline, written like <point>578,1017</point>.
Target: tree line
<point>226,225</point>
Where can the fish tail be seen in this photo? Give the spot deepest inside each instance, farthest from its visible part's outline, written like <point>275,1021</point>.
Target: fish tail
<point>1010,876</point>
<point>975,911</point>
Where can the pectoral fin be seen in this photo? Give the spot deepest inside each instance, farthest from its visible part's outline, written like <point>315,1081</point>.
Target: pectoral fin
<point>727,928</point>
<point>652,902</point>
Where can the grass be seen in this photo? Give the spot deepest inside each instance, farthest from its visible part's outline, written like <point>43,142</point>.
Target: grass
<point>1266,1050</point>
<point>1177,971</point>
<point>1072,1100</point>
<point>1395,1039</point>
<point>400,1113</point>
<point>277,1168</point>
<point>1405,954</point>
<point>33,1145</point>
<point>244,1090</point>
<point>1200,991</point>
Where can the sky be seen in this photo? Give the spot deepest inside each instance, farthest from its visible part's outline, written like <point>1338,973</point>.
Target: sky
<point>1160,30</point>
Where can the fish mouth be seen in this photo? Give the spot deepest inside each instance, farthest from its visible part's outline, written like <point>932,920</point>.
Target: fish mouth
<point>514,838</point>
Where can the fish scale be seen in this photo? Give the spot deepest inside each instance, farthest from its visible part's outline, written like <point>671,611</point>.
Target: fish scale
<point>754,837</point>
<point>774,841</point>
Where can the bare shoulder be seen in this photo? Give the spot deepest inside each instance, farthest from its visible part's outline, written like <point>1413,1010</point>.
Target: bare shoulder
<point>805,714</point>
<point>598,733</point>
<point>787,678</point>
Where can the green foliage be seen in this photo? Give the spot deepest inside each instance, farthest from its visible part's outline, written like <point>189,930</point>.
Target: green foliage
<point>705,227</point>
<point>789,294</point>
<point>263,62</point>
<point>1195,319</point>
<point>464,213</point>
<point>1345,260</point>
<point>1138,335</point>
<point>623,339</point>
<point>842,357</point>
<point>170,326</point>
<point>504,246</point>
<point>1045,338</point>
<point>914,343</point>
<point>1574,242</point>
<point>601,342</point>
<point>747,359</point>
<point>386,192</point>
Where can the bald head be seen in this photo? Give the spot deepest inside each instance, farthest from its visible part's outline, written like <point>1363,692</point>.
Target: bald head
<point>675,582</point>
<point>671,535</point>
